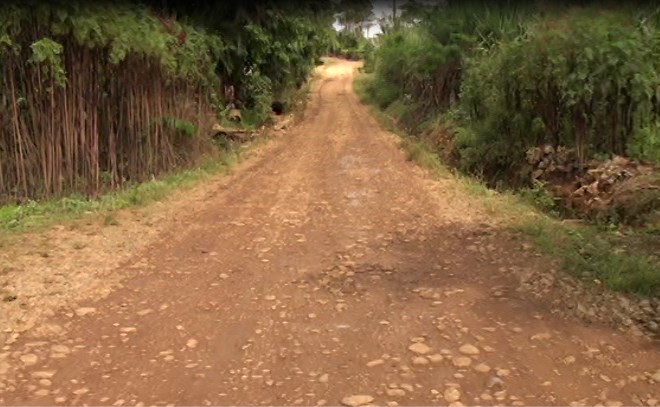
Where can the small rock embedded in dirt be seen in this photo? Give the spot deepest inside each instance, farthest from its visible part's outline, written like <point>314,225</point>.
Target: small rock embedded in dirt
<point>395,392</point>
<point>223,276</point>
<point>29,359</point>
<point>462,361</point>
<point>357,400</point>
<point>500,395</point>
<point>503,372</point>
<point>452,394</point>
<point>12,339</point>
<point>81,391</point>
<point>375,363</point>
<point>192,343</point>
<point>269,298</point>
<point>42,392</point>
<point>435,358</point>
<point>469,349</point>
<point>128,329</point>
<point>541,337</point>
<point>407,387</point>
<point>495,382</point>
<point>482,368</point>
<point>419,348</point>
<point>324,378</point>
<point>60,349</point>
<point>420,361</point>
<point>569,360</point>
<point>656,377</point>
<point>82,311</point>
<point>43,374</point>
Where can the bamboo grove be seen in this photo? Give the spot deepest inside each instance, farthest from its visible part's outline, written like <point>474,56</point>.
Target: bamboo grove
<point>96,96</point>
<point>515,76</point>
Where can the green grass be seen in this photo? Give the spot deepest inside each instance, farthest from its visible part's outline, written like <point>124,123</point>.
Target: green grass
<point>627,262</point>
<point>38,215</point>
<point>602,257</point>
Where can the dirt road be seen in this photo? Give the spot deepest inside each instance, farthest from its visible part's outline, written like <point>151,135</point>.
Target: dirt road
<point>330,268</point>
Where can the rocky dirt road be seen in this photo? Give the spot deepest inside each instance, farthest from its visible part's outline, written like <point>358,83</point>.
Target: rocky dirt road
<point>331,271</point>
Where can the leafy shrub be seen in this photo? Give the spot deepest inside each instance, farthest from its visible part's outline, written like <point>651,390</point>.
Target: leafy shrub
<point>586,80</point>
<point>520,76</point>
<point>645,144</point>
<point>539,196</point>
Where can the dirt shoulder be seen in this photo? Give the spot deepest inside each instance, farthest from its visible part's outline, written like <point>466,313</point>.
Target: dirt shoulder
<point>83,259</point>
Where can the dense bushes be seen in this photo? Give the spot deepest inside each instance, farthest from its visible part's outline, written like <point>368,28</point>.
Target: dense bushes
<point>271,46</point>
<point>587,80</point>
<point>511,78</point>
<point>350,45</point>
<point>425,61</point>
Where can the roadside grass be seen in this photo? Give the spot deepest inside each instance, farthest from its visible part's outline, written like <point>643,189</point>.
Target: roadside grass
<point>627,262</point>
<point>39,215</point>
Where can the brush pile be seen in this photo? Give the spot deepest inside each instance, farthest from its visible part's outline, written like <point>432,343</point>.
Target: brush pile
<point>619,187</point>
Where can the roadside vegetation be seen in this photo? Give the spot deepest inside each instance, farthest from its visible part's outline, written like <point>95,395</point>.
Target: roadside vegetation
<point>107,105</point>
<point>557,105</point>
<point>37,214</point>
<point>620,258</point>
